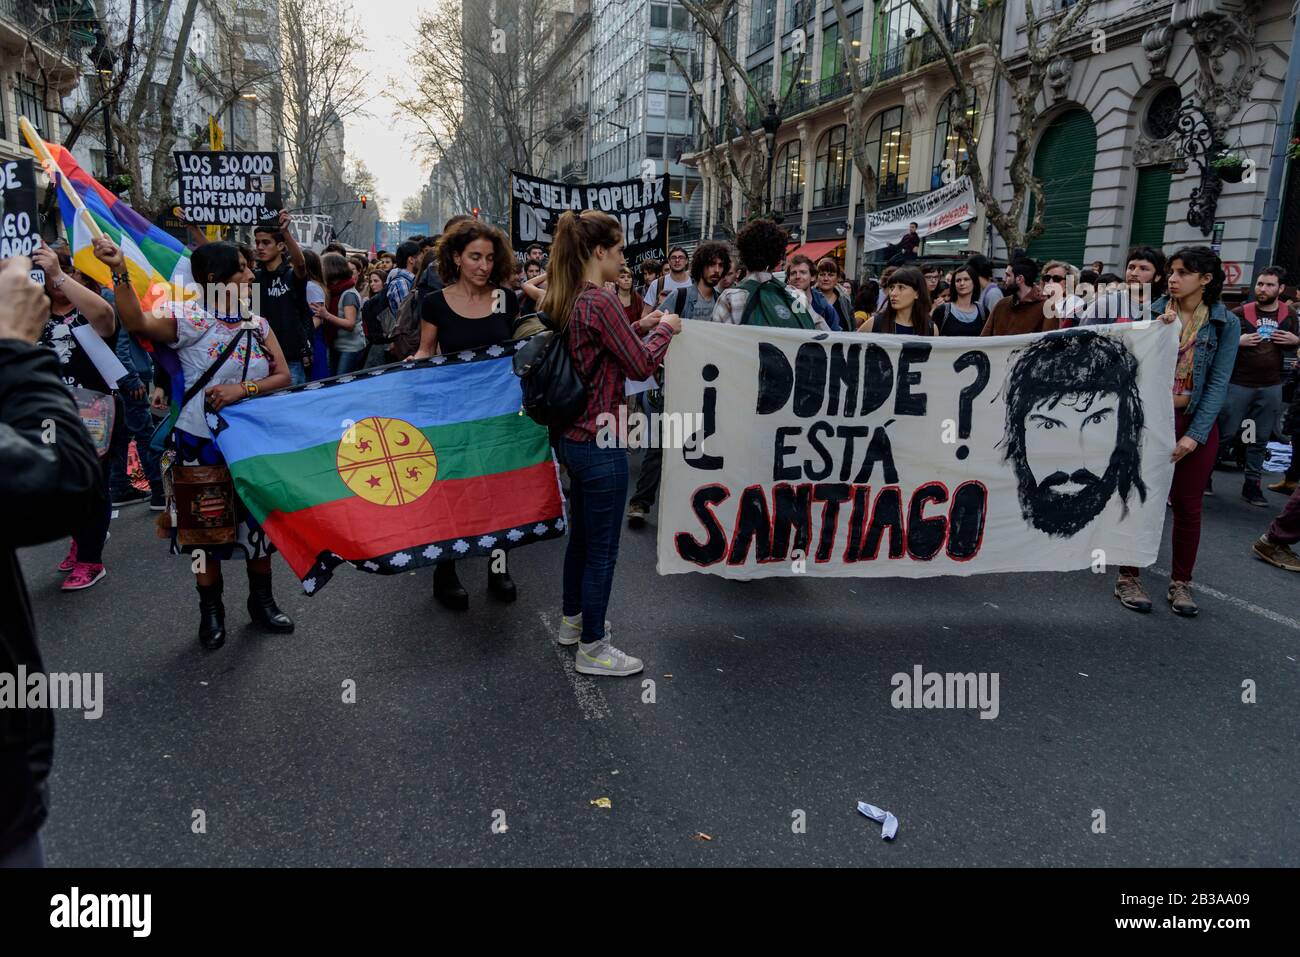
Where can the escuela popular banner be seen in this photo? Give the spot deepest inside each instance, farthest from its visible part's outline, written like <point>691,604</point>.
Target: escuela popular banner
<point>640,205</point>
<point>839,454</point>
<point>946,206</point>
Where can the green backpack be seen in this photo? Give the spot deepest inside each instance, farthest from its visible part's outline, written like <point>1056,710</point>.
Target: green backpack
<point>770,304</point>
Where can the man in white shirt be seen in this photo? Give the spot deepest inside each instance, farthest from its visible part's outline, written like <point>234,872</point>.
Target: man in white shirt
<point>678,278</point>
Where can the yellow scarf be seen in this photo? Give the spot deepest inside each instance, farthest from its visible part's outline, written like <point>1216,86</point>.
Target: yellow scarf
<point>1187,350</point>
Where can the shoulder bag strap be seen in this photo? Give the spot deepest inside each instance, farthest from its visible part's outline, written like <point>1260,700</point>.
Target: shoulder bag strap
<point>204,379</point>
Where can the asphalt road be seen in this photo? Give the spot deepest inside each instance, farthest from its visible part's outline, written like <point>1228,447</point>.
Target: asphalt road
<point>770,698</point>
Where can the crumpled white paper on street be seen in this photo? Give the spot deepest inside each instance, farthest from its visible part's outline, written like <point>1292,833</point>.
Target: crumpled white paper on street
<point>887,820</point>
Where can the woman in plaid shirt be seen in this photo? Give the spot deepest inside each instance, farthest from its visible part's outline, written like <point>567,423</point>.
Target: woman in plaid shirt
<point>587,253</point>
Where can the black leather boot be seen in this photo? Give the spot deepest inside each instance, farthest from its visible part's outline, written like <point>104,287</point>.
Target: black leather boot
<point>212,617</point>
<point>447,588</point>
<point>261,604</point>
<point>502,586</point>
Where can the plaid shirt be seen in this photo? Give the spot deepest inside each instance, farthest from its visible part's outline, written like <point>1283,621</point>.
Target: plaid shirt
<point>606,353</point>
<point>399,284</point>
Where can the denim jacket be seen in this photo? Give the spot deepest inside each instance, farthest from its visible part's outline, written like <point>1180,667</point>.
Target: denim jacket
<point>1216,353</point>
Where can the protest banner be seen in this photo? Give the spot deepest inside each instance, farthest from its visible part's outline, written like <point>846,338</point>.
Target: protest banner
<point>944,207</point>
<point>834,454</point>
<point>228,188</point>
<point>312,231</point>
<point>640,205</point>
<point>19,218</point>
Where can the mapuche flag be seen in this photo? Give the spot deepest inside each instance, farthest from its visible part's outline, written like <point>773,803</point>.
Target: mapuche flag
<point>396,467</point>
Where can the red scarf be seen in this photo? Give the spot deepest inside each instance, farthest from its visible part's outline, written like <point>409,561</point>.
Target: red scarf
<point>336,291</point>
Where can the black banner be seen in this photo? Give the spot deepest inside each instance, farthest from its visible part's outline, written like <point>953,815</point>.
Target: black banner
<point>19,222</point>
<point>228,188</point>
<point>640,205</point>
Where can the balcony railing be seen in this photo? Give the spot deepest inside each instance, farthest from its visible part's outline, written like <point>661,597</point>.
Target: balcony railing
<point>788,203</point>
<point>573,172</point>
<point>574,116</point>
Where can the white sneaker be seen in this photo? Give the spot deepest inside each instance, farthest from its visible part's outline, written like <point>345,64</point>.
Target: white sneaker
<point>602,658</point>
<point>571,629</point>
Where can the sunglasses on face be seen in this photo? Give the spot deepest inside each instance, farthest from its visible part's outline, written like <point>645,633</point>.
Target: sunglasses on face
<point>1060,279</point>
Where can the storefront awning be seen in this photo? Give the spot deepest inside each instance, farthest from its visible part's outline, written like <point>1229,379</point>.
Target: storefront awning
<point>816,250</point>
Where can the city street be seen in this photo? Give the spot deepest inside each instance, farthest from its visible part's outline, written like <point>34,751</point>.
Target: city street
<point>770,698</point>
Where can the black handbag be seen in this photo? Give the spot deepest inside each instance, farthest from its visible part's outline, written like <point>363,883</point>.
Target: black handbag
<point>554,394</point>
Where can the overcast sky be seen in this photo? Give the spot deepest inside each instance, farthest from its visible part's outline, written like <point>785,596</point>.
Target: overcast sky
<point>379,139</point>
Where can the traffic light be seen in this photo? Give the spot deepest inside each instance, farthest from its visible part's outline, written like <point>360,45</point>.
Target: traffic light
<point>475,212</point>
<point>363,201</point>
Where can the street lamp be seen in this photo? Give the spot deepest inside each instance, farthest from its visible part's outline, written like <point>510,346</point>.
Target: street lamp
<point>771,123</point>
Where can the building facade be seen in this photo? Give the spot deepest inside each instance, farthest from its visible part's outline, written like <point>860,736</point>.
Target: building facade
<point>794,52</point>
<point>641,110</point>
<point>42,55</point>
<point>1118,166</point>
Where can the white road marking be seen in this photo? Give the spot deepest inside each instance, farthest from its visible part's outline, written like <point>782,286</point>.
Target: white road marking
<point>1251,607</point>
<point>591,702</point>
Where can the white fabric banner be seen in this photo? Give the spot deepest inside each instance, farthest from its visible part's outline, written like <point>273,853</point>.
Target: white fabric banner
<point>839,454</point>
<point>946,206</point>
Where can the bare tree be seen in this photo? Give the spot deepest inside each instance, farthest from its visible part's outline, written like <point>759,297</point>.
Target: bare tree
<point>863,77</point>
<point>748,162</point>
<point>322,84</point>
<point>1042,47</point>
<point>480,89</point>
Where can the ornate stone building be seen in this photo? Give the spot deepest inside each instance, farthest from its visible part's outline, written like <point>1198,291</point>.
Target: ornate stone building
<point>1144,114</point>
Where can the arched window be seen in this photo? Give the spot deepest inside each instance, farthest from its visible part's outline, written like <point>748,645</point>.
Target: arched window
<point>948,144</point>
<point>889,150</point>
<point>789,180</point>
<point>832,183</point>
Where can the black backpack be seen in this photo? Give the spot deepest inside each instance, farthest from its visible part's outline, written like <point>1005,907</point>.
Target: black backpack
<point>554,394</point>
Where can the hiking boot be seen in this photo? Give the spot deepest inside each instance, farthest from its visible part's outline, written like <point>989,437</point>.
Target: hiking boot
<point>1180,599</point>
<point>602,658</point>
<point>636,515</point>
<point>1251,495</point>
<point>1131,594</point>
<point>1286,486</point>
<point>83,575</point>
<point>1275,553</point>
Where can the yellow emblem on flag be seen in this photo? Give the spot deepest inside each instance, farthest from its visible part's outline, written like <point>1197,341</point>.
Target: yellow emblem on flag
<point>386,461</point>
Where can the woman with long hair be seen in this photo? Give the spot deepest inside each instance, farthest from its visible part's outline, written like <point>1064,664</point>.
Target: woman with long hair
<point>586,253</point>
<point>316,300</point>
<point>238,354</point>
<point>632,303</point>
<point>1207,349</point>
<point>474,308</point>
<point>74,303</point>
<point>907,306</point>
<point>375,303</point>
<point>962,314</point>
<point>342,313</point>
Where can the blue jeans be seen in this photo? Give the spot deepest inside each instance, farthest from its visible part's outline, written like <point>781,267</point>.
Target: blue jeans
<point>597,493</point>
<point>139,426</point>
<point>346,362</point>
<point>297,374</point>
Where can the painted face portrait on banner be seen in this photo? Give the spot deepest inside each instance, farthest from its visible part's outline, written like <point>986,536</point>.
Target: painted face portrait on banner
<point>1072,400</point>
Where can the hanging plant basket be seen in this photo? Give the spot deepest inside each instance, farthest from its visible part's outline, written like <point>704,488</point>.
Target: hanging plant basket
<point>1293,149</point>
<point>1230,166</point>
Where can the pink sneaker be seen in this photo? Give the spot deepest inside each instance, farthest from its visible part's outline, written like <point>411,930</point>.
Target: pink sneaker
<point>83,575</point>
<point>70,561</point>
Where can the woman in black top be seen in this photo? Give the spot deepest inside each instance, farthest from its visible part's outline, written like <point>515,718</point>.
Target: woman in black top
<point>473,309</point>
<point>962,315</point>
<point>907,308</point>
